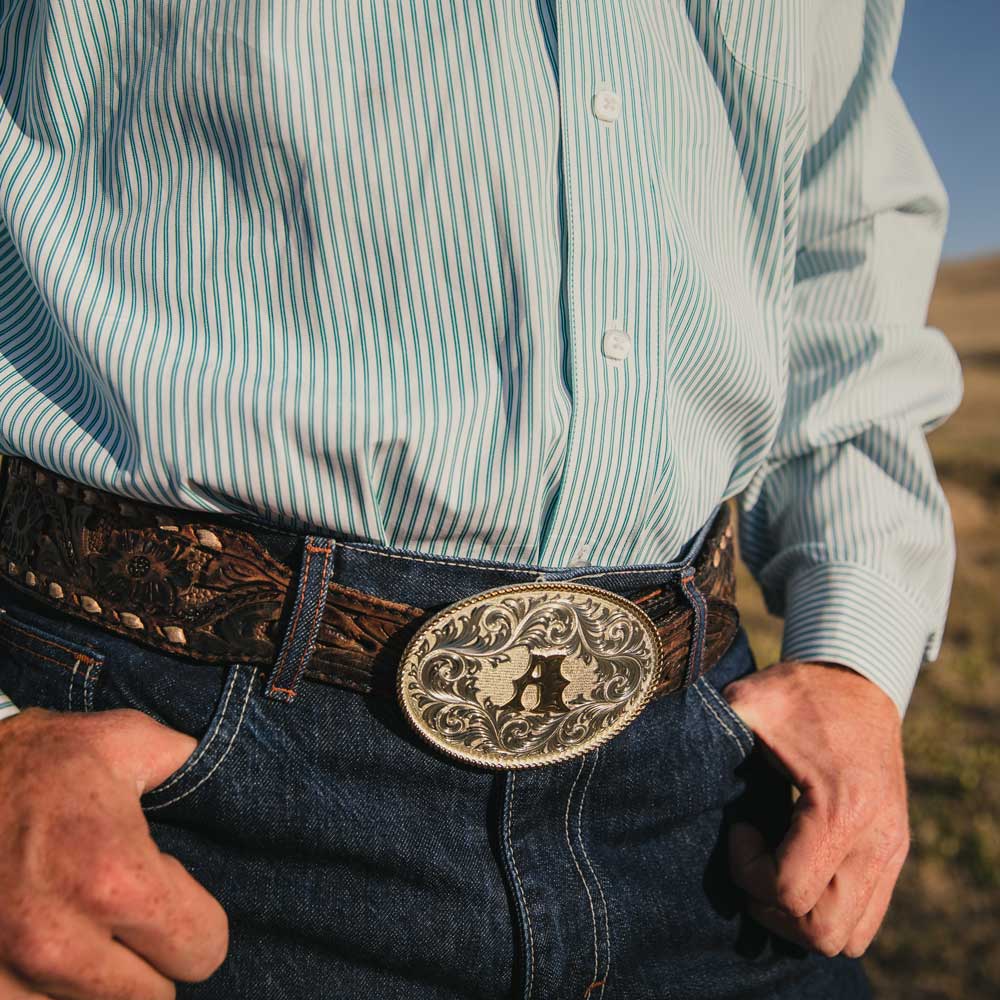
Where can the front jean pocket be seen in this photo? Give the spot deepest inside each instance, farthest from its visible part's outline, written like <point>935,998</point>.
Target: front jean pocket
<point>214,747</point>
<point>207,702</point>
<point>721,716</point>
<point>39,668</point>
<point>68,667</point>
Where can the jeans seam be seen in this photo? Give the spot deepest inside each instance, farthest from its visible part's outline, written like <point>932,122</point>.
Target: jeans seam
<point>72,684</point>
<point>576,863</point>
<point>586,857</point>
<point>88,688</point>
<point>41,656</point>
<point>45,641</point>
<point>728,711</point>
<point>702,683</point>
<point>435,562</point>
<point>225,753</point>
<point>672,567</point>
<point>522,896</point>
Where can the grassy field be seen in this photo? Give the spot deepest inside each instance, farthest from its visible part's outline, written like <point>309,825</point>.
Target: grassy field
<point>941,938</point>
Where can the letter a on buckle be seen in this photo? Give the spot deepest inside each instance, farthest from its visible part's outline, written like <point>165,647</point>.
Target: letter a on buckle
<point>530,674</point>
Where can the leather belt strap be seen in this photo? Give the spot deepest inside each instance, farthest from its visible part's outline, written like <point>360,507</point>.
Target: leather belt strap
<point>219,589</point>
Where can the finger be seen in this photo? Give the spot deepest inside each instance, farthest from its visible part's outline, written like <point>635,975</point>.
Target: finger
<point>778,921</point>
<point>145,750</point>
<point>877,907</point>
<point>752,863</point>
<point>178,927</point>
<point>833,925</point>
<point>810,854</point>
<point>828,926</point>
<point>13,988</point>
<point>75,960</point>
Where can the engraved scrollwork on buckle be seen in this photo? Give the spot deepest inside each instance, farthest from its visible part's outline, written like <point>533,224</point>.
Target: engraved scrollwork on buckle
<point>529,674</point>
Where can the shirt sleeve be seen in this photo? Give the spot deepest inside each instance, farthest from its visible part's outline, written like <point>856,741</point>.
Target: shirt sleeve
<point>846,526</point>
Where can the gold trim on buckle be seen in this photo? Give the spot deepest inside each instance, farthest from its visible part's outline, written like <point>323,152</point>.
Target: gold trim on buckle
<point>529,674</point>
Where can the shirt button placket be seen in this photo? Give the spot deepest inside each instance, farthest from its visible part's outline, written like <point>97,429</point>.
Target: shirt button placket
<point>616,343</point>
<point>606,104</point>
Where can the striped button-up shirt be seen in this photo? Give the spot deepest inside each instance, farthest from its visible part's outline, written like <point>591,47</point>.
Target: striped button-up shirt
<point>526,280</point>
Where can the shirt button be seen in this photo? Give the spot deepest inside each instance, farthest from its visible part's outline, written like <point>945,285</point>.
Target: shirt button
<point>606,105</point>
<point>581,557</point>
<point>616,345</point>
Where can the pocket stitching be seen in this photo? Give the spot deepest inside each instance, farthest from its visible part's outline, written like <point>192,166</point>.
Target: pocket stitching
<point>206,743</point>
<point>42,648</point>
<point>729,35</point>
<point>34,652</point>
<point>72,684</point>
<point>187,769</point>
<point>88,687</point>
<point>744,747</point>
<point>38,635</point>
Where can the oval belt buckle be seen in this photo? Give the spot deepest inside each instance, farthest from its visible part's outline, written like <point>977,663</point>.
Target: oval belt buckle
<point>529,674</point>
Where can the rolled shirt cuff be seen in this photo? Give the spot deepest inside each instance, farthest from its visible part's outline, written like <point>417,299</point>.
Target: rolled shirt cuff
<point>850,615</point>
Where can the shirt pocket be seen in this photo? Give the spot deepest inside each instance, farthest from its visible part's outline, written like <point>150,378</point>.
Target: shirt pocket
<point>770,38</point>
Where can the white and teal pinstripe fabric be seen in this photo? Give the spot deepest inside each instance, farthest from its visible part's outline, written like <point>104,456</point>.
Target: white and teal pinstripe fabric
<point>7,707</point>
<point>351,263</point>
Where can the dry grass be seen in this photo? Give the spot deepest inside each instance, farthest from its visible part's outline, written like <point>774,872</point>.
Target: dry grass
<point>941,939</point>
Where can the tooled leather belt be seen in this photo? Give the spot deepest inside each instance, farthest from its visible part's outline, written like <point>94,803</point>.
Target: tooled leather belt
<point>221,589</point>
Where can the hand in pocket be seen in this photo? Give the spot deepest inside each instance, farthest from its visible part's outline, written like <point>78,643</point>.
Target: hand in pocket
<point>91,907</point>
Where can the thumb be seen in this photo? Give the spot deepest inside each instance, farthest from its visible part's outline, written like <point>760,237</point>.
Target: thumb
<point>751,862</point>
<point>141,750</point>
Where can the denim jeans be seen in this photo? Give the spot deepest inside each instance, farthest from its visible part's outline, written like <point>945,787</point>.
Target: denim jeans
<point>355,861</point>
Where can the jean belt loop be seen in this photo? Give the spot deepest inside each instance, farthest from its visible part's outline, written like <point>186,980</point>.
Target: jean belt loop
<point>699,624</point>
<point>299,639</point>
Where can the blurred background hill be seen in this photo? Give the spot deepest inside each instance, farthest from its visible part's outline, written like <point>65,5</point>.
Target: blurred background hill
<point>941,939</point>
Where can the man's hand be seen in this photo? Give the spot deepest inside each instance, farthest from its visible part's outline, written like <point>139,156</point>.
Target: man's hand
<point>89,907</point>
<point>838,737</point>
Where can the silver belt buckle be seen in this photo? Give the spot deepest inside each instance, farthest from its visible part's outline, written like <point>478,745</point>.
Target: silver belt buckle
<point>529,674</point>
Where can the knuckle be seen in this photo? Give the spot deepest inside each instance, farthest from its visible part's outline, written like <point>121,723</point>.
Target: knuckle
<point>903,839</point>
<point>734,691</point>
<point>826,936</point>
<point>37,953</point>
<point>857,808</point>
<point>898,831</point>
<point>829,947</point>
<point>202,937</point>
<point>201,963</point>
<point>894,841</point>
<point>884,847</point>
<point>109,885</point>
<point>828,942</point>
<point>218,946</point>
<point>792,897</point>
<point>204,965</point>
<point>856,948</point>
